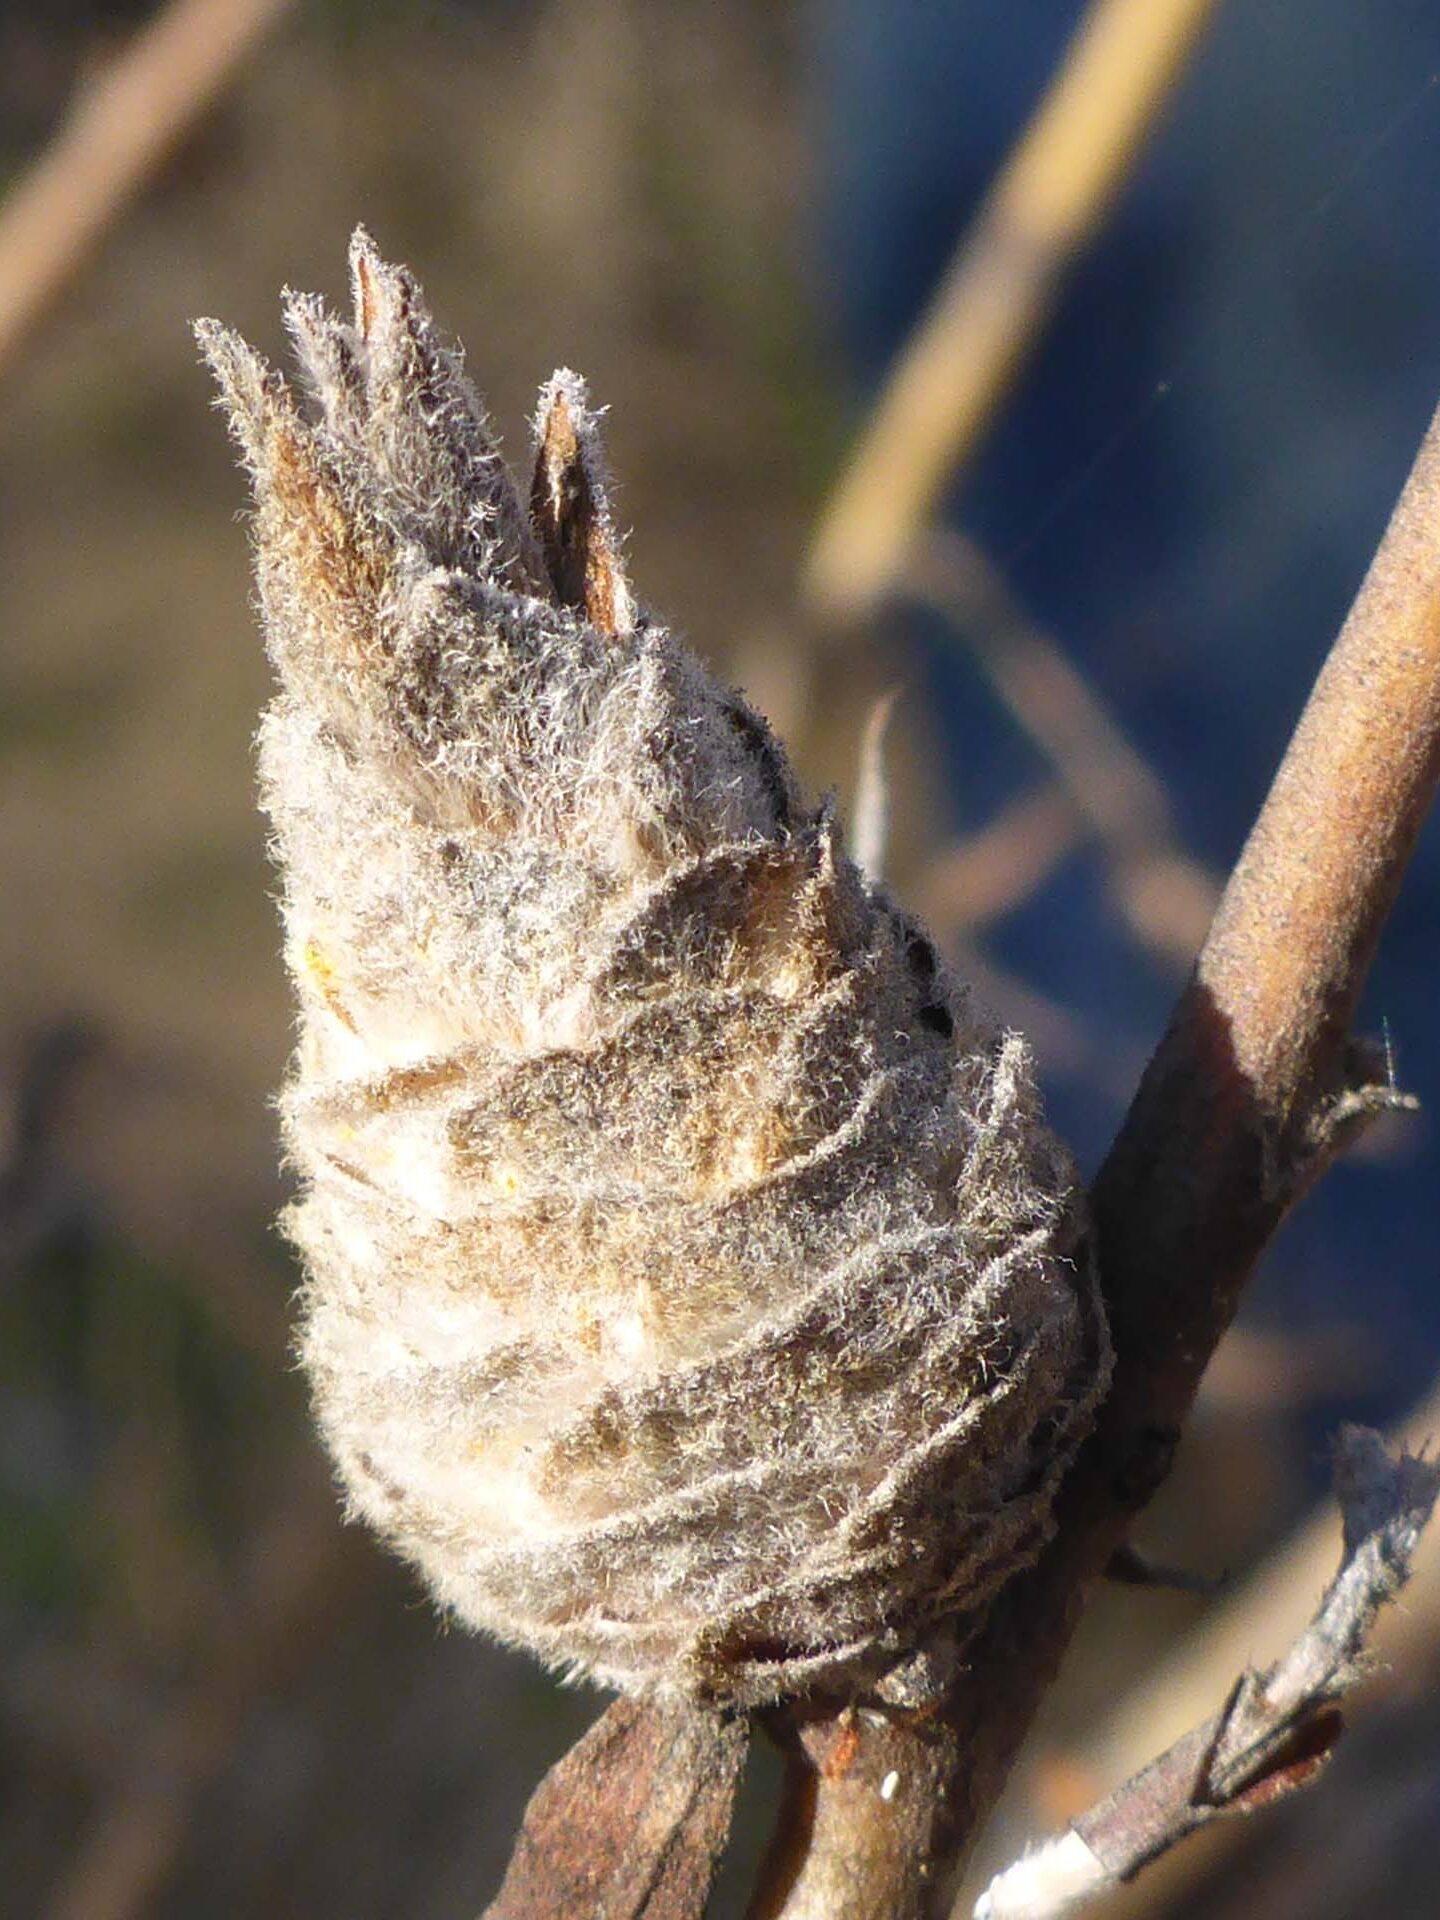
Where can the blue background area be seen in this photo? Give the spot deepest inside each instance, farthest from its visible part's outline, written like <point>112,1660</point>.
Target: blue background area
<point>1274,266</point>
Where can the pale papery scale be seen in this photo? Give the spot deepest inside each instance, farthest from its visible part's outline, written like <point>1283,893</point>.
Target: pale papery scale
<point>695,1294</point>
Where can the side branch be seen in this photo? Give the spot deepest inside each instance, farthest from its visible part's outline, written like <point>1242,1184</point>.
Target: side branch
<point>1254,1087</point>
<point>1275,1730</point>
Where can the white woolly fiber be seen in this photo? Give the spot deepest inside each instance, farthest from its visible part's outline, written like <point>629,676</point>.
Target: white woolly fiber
<point>692,1284</point>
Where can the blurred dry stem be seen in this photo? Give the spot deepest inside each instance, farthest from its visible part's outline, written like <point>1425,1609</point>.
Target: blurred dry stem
<point>123,122</point>
<point>1253,1090</point>
<point>870,829</point>
<point>984,875</point>
<point>1054,190</point>
<point>1166,898</point>
<point>1275,1729</point>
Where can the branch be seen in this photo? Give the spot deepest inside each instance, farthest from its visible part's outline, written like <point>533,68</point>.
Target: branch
<point>1254,1088</point>
<point>1274,1731</point>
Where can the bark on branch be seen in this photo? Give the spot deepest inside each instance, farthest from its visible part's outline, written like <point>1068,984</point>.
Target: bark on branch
<point>1255,1086</point>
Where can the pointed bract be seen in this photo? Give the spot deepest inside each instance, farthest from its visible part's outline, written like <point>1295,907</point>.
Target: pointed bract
<point>426,432</point>
<point>570,507</point>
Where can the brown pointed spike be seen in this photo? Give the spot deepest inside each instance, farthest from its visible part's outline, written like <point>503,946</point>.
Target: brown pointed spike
<point>364,266</point>
<point>571,513</point>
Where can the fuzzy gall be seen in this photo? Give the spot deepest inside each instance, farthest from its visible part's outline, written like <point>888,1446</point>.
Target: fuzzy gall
<point>694,1292</point>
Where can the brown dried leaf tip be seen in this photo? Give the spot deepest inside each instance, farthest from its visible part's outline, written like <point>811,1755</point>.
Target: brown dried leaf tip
<point>569,509</point>
<point>693,1289</point>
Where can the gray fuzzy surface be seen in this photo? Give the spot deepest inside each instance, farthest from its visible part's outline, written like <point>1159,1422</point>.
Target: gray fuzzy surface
<point>694,1289</point>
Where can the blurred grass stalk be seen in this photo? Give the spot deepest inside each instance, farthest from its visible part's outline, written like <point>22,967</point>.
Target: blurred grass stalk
<point>1058,184</point>
<point>1164,898</point>
<point>122,123</point>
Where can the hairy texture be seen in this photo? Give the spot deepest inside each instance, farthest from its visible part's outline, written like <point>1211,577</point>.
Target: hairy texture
<point>695,1293</point>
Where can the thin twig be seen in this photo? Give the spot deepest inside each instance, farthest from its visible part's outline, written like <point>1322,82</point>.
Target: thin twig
<point>1056,187</point>
<point>121,125</point>
<point>1274,1730</point>
<point>1182,1687</point>
<point>1254,1088</point>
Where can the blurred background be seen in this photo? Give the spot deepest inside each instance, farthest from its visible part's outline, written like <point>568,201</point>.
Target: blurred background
<point>1098,584</point>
